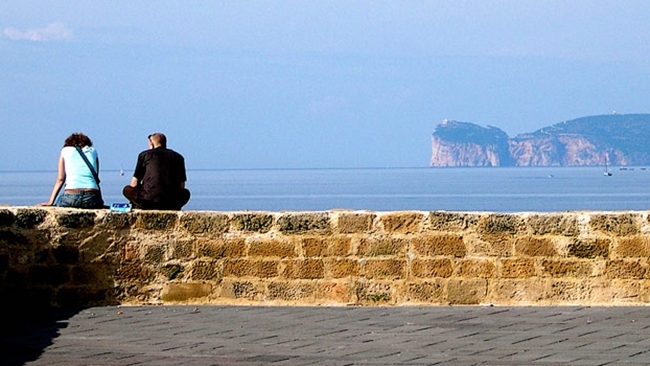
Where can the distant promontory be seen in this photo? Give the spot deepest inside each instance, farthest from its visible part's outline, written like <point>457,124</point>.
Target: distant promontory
<point>615,139</point>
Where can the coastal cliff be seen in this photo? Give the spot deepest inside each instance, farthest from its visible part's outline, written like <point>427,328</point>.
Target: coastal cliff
<point>596,140</point>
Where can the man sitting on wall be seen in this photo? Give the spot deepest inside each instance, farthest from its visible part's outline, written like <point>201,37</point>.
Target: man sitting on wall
<point>158,181</point>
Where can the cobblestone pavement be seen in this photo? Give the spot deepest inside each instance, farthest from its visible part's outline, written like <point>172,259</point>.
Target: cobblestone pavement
<point>284,335</point>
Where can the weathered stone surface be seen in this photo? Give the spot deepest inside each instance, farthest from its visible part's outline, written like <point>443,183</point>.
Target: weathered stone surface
<point>156,220</point>
<point>181,292</point>
<point>568,291</point>
<point>74,220</point>
<point>205,270</point>
<point>349,223</point>
<point>439,245</point>
<point>294,223</point>
<point>451,221</point>
<point>208,223</point>
<point>343,267</point>
<point>517,267</point>
<point>384,269</point>
<point>470,291</point>
<point>619,224</point>
<point>29,217</point>
<point>535,247</point>
<point>475,268</point>
<point>272,248</point>
<point>590,248</point>
<point>64,256</point>
<point>253,222</point>
<point>429,292</point>
<point>566,268</point>
<point>555,224</point>
<point>432,268</point>
<point>632,247</point>
<point>290,291</point>
<point>402,222</point>
<point>221,248</point>
<point>117,220</point>
<point>308,269</point>
<point>373,293</point>
<point>500,224</point>
<point>382,246</point>
<point>625,269</point>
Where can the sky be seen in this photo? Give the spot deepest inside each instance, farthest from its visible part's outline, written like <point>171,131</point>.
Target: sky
<point>306,84</point>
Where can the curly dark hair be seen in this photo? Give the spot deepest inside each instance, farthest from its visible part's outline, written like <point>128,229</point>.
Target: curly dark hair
<point>78,139</point>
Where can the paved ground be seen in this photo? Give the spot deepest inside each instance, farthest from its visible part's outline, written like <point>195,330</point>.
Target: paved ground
<point>232,335</point>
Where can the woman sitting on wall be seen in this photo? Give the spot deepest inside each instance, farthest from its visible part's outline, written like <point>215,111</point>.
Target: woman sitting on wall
<point>78,170</point>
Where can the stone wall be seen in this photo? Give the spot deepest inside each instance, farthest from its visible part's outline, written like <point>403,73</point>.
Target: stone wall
<point>67,258</point>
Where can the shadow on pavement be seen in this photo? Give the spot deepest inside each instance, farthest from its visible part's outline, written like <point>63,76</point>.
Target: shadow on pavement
<point>25,335</point>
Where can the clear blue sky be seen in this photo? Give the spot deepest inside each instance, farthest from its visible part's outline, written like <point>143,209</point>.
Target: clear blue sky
<point>299,84</point>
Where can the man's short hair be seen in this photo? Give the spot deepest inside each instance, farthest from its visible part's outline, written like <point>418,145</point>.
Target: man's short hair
<point>158,139</point>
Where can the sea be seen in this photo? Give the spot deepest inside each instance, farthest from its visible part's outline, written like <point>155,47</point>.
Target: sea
<point>539,189</point>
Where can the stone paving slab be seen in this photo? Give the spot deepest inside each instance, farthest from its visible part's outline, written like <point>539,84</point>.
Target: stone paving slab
<point>263,335</point>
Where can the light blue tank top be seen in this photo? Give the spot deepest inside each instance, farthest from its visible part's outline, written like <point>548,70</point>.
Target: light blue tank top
<point>77,173</point>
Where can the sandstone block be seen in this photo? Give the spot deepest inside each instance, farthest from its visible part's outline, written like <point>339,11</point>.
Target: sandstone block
<point>625,269</point>
<point>336,292</point>
<point>517,267</point>
<point>499,224</point>
<point>403,222</point>
<point>340,268</point>
<point>313,246</point>
<point>382,246</point>
<point>384,269</point>
<point>308,269</point>
<point>517,291</point>
<point>10,238</point>
<point>91,275</point>
<point>431,268</point>
<point>566,268</point>
<point>75,220</point>
<point>439,245</point>
<point>296,223</point>
<point>470,291</point>
<point>590,248</point>
<point>290,291</point>
<point>554,224</point>
<point>430,292</point>
<point>155,254</point>
<point>133,272</point>
<point>618,224</point>
<point>252,268</point>
<point>272,248</point>
<point>222,248</point>
<point>373,293</point>
<point>568,291</point>
<point>117,221</point>
<point>447,221</point>
<point>73,297</point>
<point>171,271</point>
<point>535,247</point>
<point>156,220</point>
<point>181,292</point>
<point>208,223</point>
<point>29,217</point>
<point>253,222</point>
<point>616,292</point>
<point>238,289</point>
<point>475,268</point>
<point>181,249</point>
<point>205,270</point>
<point>350,223</point>
<point>632,247</point>
<point>338,246</point>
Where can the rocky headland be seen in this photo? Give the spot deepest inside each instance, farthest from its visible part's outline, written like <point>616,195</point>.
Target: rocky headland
<point>616,139</point>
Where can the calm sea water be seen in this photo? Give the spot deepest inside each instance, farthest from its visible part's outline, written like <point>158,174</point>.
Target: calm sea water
<point>426,189</point>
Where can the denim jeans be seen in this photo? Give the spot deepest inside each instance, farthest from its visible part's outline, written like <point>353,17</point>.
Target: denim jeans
<point>81,200</point>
